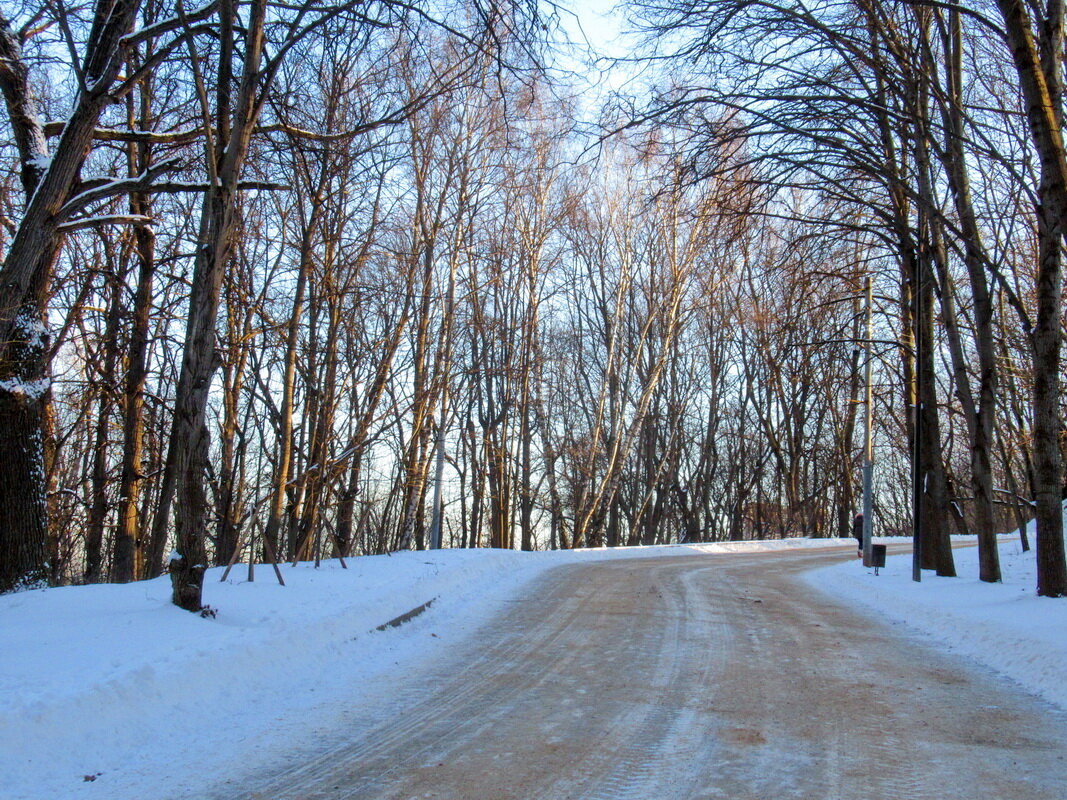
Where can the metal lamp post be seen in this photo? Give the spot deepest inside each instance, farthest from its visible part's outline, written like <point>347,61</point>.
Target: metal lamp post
<point>868,444</point>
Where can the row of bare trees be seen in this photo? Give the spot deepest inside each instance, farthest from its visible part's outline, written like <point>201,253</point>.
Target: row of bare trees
<point>346,281</point>
<point>940,126</point>
<point>175,111</point>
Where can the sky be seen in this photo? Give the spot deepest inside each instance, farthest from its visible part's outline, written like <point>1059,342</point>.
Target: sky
<point>597,25</point>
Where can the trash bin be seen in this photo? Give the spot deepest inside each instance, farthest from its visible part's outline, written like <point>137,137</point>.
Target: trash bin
<point>877,556</point>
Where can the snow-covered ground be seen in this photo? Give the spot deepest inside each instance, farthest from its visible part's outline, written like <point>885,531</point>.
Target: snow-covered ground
<point>111,692</point>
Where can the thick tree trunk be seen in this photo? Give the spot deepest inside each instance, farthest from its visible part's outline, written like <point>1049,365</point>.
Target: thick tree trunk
<point>937,546</point>
<point>981,417</point>
<point>190,440</point>
<point>1048,328</point>
<point>23,510</point>
<point>1041,82</point>
<point>24,280</point>
<point>189,434</point>
<point>1048,466</point>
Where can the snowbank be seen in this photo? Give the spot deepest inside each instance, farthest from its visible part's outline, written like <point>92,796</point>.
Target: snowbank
<point>1004,626</point>
<point>115,680</point>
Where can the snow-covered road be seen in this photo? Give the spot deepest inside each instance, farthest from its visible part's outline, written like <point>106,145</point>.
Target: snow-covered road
<point>709,676</point>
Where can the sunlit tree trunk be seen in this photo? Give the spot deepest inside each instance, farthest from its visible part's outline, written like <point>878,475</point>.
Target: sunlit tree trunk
<point>129,540</point>
<point>1039,66</point>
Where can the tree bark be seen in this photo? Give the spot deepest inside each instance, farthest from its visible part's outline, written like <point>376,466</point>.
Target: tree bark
<point>1041,82</point>
<point>23,509</point>
<point>189,434</point>
<point>129,564</point>
<point>25,276</point>
<point>981,417</point>
<point>129,561</point>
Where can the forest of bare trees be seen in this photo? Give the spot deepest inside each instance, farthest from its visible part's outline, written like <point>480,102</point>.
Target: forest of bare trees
<point>292,281</point>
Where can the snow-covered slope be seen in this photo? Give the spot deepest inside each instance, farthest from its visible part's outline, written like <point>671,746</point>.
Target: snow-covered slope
<point>115,680</point>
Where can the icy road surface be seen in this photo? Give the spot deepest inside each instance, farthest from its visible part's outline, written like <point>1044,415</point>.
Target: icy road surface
<point>717,676</point>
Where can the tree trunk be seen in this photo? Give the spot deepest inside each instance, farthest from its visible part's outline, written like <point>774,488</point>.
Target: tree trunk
<point>129,563</point>
<point>25,276</point>
<point>189,433</point>
<point>981,418</point>
<point>1041,83</point>
<point>23,509</point>
<point>937,547</point>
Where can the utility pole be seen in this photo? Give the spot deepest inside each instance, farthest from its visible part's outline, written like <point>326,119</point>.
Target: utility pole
<point>868,443</point>
<point>439,440</point>
<point>917,475</point>
<point>435,519</point>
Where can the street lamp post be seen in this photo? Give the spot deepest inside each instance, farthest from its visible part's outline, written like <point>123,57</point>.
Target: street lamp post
<point>868,444</point>
<point>917,476</point>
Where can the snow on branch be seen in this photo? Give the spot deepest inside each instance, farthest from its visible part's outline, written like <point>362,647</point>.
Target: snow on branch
<point>169,24</point>
<point>191,186</point>
<point>55,128</point>
<point>189,27</point>
<point>105,219</point>
<point>98,193</point>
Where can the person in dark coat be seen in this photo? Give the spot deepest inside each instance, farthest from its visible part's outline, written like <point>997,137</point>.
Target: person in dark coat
<point>857,533</point>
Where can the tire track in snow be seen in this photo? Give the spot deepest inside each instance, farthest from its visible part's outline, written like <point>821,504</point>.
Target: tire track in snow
<point>655,738</point>
<point>470,704</point>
